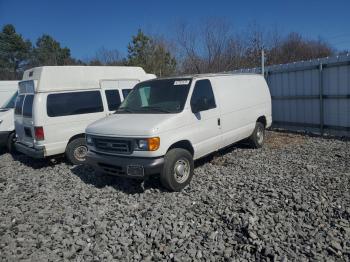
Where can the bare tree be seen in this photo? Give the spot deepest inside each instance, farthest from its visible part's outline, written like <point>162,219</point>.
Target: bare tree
<point>210,48</point>
<point>188,53</point>
<point>295,48</point>
<point>213,47</point>
<point>105,56</point>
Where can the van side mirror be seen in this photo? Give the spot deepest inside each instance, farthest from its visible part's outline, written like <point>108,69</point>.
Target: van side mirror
<point>200,105</point>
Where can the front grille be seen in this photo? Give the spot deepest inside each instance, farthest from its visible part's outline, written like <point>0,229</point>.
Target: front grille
<point>112,145</point>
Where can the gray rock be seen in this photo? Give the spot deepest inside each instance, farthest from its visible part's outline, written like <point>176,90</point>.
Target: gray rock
<point>275,203</point>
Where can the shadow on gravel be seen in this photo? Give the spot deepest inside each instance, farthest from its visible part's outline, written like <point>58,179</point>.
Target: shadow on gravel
<point>127,185</point>
<point>37,163</point>
<point>214,156</point>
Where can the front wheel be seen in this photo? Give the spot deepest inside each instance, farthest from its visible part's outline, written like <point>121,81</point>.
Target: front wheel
<point>11,143</point>
<point>178,169</point>
<point>76,151</point>
<point>257,139</point>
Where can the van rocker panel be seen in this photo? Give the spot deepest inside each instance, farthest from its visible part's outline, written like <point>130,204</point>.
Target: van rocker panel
<point>118,165</point>
<point>29,151</point>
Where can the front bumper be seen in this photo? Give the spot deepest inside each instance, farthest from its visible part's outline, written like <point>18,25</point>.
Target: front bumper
<point>3,137</point>
<point>30,151</point>
<point>136,167</point>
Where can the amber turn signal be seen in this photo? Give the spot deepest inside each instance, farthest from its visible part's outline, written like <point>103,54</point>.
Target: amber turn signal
<point>153,143</point>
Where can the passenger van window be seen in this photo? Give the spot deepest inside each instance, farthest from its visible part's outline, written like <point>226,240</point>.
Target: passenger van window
<point>74,103</point>
<point>126,92</point>
<point>28,106</point>
<point>203,92</point>
<point>113,99</point>
<point>19,105</point>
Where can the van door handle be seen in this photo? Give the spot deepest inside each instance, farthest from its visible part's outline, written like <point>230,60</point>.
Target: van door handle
<point>219,122</point>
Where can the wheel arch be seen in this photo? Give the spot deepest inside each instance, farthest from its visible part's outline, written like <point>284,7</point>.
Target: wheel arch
<point>262,119</point>
<point>81,135</point>
<point>184,144</point>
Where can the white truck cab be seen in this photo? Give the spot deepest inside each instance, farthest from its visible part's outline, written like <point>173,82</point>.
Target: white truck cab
<point>7,119</point>
<point>7,90</point>
<point>56,103</point>
<point>166,124</point>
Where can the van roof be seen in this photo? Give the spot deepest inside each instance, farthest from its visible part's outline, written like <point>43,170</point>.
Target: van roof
<point>211,75</point>
<point>9,83</point>
<point>59,78</point>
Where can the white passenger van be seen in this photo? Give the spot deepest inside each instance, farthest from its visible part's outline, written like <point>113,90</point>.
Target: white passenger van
<point>56,103</point>
<point>7,119</point>
<point>165,124</point>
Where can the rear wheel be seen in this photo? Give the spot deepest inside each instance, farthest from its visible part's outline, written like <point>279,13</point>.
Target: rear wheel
<point>11,143</point>
<point>257,139</point>
<point>76,151</point>
<point>178,169</point>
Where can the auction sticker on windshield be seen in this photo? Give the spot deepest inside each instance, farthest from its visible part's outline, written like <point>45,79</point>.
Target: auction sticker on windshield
<point>181,82</point>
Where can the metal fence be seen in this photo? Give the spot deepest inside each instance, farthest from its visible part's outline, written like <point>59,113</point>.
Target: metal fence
<point>312,96</point>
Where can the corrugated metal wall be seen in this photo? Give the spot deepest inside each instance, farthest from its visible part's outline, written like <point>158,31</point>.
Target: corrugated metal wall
<point>311,96</point>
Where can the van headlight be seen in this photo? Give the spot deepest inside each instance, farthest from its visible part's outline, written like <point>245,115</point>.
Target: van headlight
<point>147,144</point>
<point>89,140</point>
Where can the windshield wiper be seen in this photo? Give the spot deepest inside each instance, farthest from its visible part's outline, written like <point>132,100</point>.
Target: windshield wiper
<point>156,108</point>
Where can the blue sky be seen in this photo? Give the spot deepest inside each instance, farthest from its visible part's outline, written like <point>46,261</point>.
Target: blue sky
<point>86,26</point>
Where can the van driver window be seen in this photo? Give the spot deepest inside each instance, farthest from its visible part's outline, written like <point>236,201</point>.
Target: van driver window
<point>113,99</point>
<point>203,92</point>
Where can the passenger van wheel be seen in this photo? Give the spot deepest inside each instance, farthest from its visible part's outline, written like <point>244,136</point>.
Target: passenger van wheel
<point>257,139</point>
<point>76,151</point>
<point>11,143</point>
<point>178,169</point>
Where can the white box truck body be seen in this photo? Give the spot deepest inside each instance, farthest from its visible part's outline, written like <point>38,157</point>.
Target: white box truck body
<point>56,103</point>
<point>165,124</point>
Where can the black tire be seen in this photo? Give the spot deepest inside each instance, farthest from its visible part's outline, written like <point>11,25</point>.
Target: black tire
<point>10,145</point>
<point>256,140</point>
<point>169,178</point>
<point>75,151</point>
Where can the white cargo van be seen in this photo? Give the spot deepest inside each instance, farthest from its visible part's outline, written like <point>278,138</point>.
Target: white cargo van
<point>56,103</point>
<point>7,89</point>
<point>7,126</point>
<point>165,124</point>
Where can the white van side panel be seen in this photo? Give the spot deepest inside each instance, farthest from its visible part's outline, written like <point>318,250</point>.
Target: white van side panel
<point>243,99</point>
<point>58,130</point>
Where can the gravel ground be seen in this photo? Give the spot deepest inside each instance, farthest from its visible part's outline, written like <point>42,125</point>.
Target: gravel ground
<point>287,201</point>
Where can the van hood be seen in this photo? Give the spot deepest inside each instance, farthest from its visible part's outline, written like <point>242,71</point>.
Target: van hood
<point>7,118</point>
<point>136,124</point>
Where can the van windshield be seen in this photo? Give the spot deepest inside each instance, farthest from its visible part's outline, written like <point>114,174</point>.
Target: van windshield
<point>165,96</point>
<point>9,104</point>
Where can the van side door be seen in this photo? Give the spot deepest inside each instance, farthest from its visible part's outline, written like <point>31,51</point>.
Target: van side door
<point>205,119</point>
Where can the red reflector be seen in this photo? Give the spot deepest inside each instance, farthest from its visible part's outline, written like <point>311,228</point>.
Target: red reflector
<point>39,133</point>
